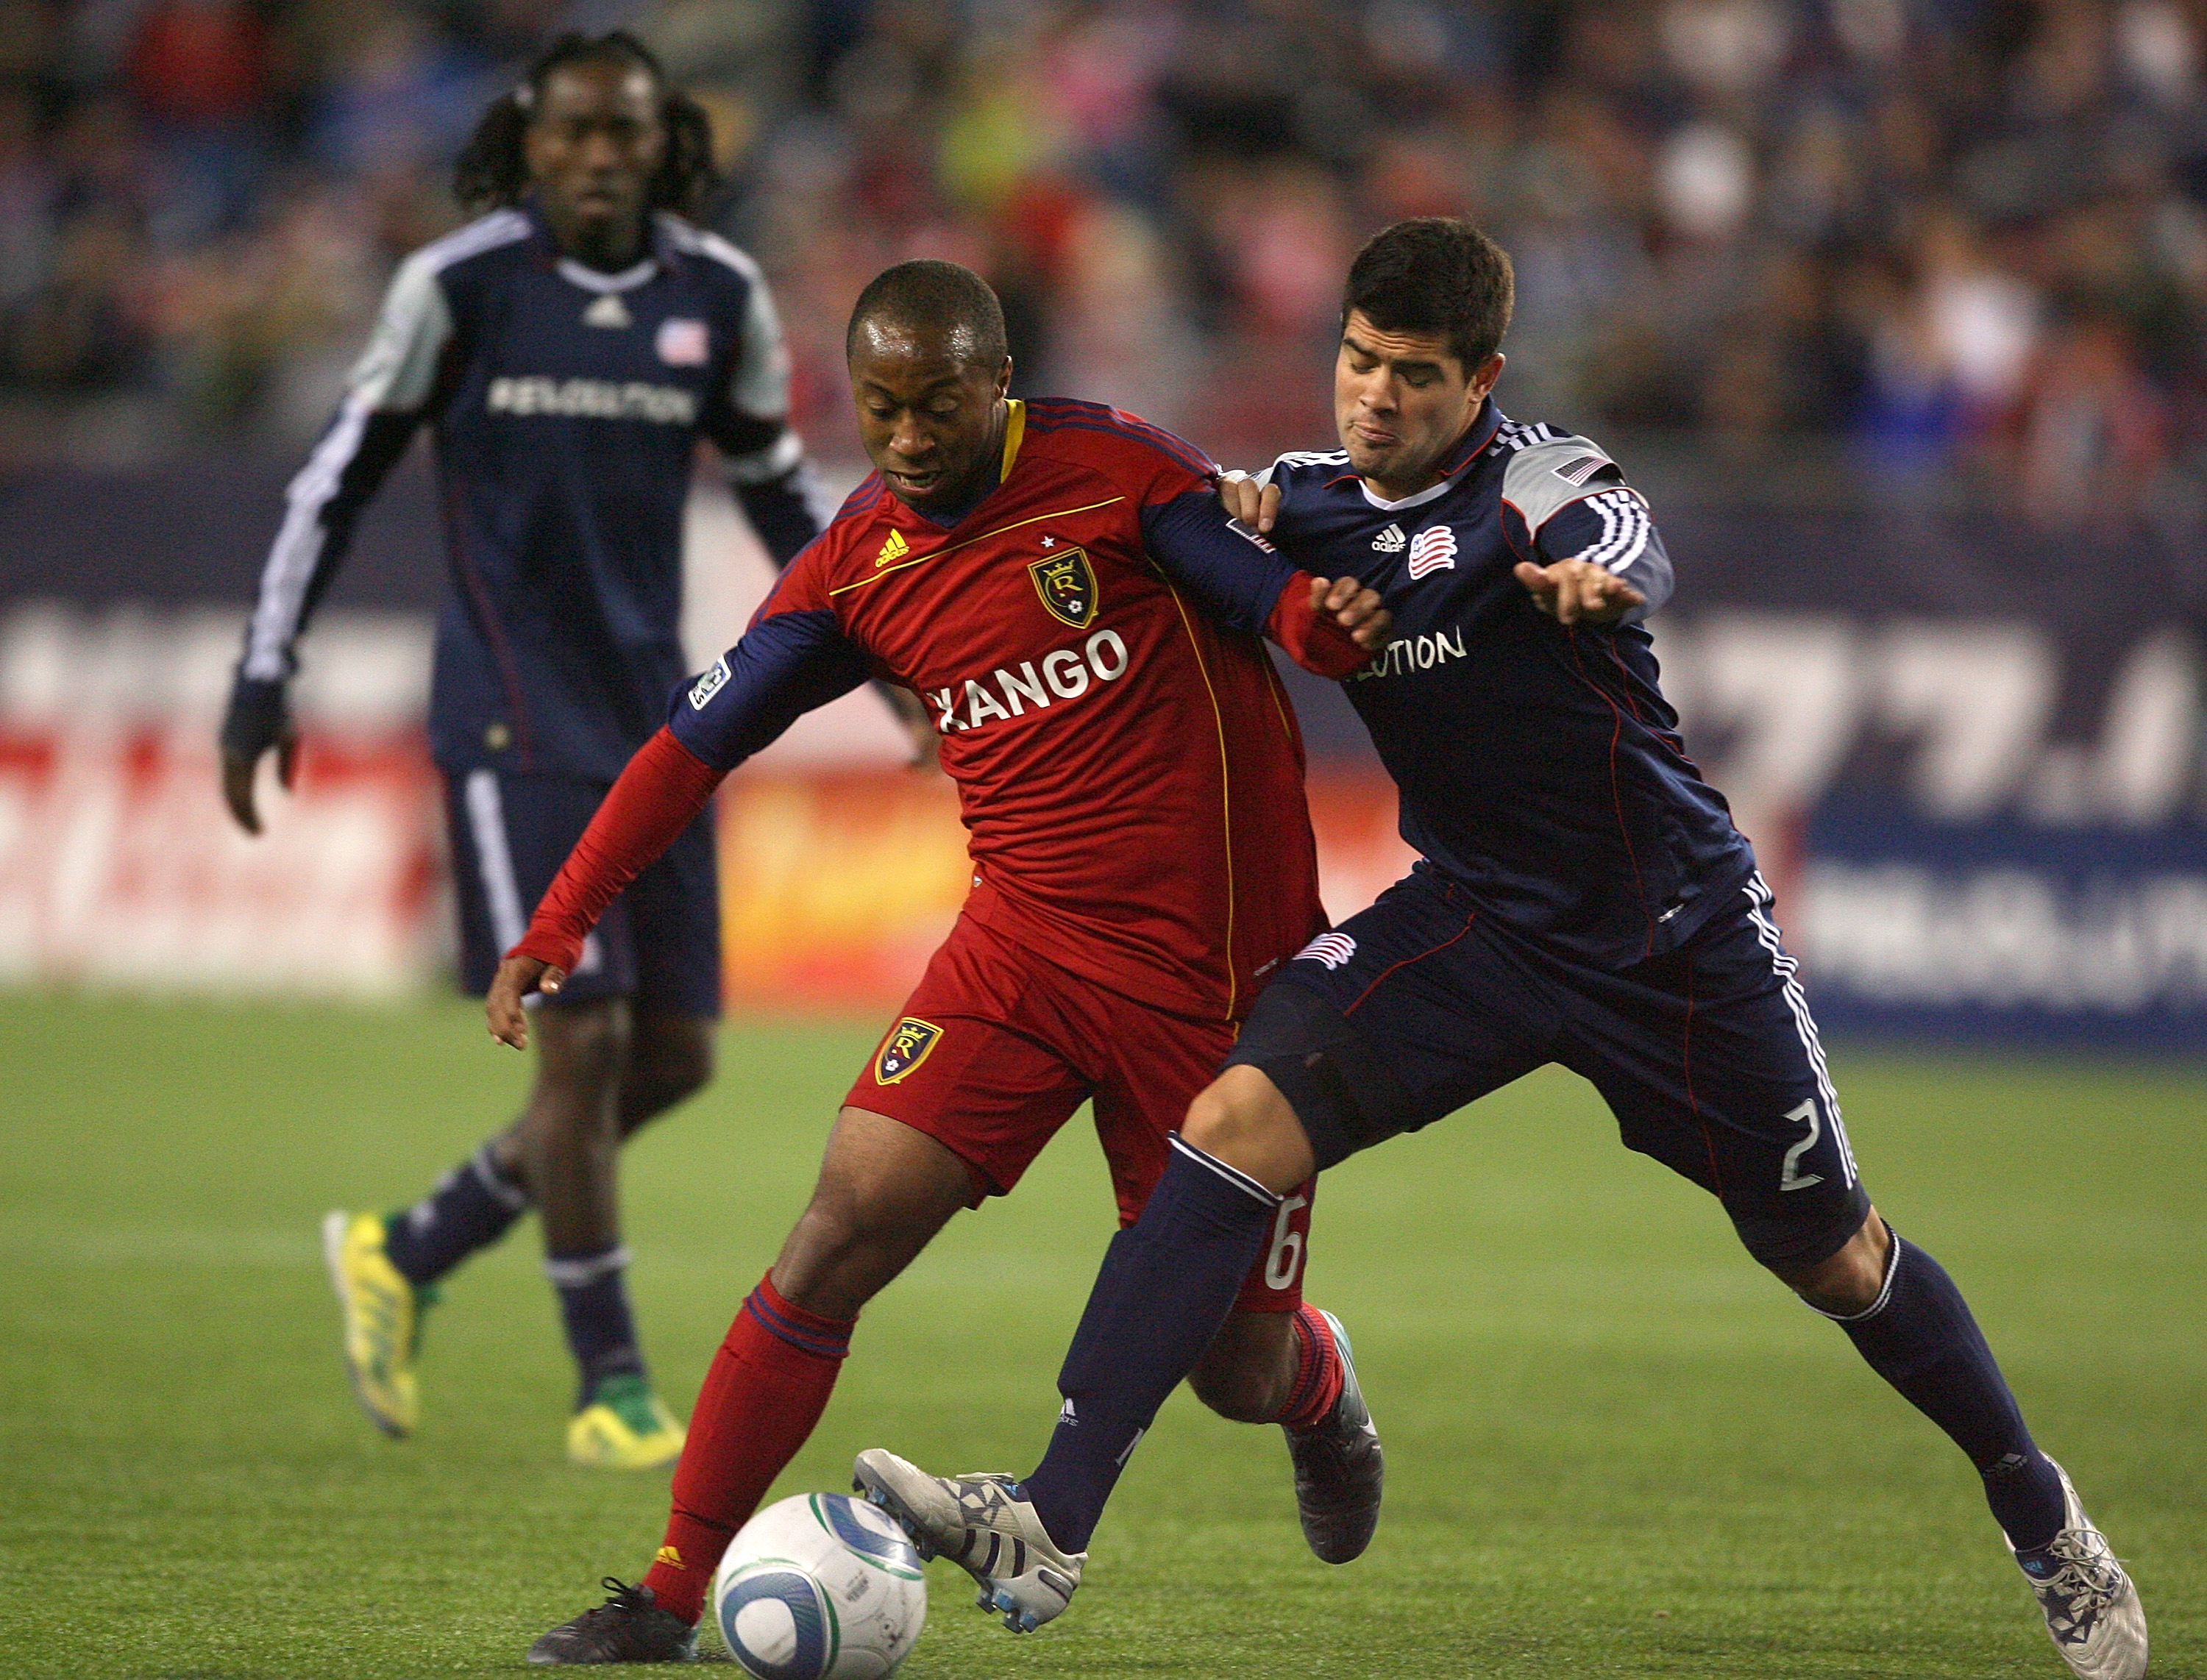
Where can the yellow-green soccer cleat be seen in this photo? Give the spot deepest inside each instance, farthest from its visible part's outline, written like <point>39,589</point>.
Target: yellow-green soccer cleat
<point>624,1427</point>
<point>382,1320</point>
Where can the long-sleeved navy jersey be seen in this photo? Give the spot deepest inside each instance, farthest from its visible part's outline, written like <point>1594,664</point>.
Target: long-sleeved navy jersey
<point>566,405</point>
<point>1538,763</point>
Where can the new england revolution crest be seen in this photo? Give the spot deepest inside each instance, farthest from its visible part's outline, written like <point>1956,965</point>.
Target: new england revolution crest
<point>1066,585</point>
<point>905,1048</point>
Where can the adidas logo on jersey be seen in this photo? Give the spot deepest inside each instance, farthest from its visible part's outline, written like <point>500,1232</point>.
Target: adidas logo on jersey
<point>1390,542</point>
<point>1333,949</point>
<point>1432,549</point>
<point>894,549</point>
<point>607,311</point>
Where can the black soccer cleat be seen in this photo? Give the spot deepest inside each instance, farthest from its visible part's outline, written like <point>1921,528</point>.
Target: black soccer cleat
<point>629,1627</point>
<point>1340,1470</point>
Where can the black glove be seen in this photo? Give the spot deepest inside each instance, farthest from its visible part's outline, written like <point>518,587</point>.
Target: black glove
<point>259,718</point>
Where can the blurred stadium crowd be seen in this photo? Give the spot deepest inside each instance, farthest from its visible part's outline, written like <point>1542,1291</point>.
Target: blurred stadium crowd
<point>1955,240</point>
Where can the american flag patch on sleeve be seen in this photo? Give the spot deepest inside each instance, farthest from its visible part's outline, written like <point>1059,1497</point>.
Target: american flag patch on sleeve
<point>1581,468</point>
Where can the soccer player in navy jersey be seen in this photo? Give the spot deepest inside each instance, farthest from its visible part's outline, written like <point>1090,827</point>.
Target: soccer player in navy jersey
<point>1582,898</point>
<point>566,349</point>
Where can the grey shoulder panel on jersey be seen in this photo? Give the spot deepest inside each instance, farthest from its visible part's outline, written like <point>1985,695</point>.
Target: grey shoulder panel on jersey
<point>1543,478</point>
<point>399,368</point>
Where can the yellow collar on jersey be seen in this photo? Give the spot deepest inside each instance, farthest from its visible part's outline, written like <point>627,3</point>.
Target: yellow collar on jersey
<point>1016,431</point>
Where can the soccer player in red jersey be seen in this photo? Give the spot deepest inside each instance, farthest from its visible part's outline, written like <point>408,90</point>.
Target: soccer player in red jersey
<point>1059,583</point>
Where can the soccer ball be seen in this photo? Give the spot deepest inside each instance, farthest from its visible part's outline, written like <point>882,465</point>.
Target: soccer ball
<point>821,1587</point>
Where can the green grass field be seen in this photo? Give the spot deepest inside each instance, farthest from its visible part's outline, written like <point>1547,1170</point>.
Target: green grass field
<point>1614,1447</point>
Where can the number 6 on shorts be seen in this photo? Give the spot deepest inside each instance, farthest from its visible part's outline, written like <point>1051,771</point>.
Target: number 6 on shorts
<point>1284,1262</point>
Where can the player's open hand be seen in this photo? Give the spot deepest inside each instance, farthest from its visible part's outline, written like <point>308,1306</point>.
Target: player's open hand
<point>1574,592</point>
<point>1355,608</point>
<point>1256,505</point>
<point>516,977</point>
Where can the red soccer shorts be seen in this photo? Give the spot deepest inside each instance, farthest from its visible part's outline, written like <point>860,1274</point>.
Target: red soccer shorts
<point>998,1047</point>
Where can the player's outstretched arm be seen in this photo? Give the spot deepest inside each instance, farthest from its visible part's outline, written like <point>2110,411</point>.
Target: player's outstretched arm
<point>1329,626</point>
<point>1594,555</point>
<point>793,658</point>
<point>659,795</point>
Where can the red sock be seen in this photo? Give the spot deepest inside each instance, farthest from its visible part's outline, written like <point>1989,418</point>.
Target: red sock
<point>1318,1371</point>
<point>769,1385</point>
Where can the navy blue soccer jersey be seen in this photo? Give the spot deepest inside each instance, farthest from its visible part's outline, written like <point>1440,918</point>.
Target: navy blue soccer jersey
<point>566,405</point>
<point>1538,765</point>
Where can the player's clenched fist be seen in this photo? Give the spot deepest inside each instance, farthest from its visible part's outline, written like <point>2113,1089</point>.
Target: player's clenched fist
<point>516,977</point>
<point>1578,591</point>
<point>1355,608</point>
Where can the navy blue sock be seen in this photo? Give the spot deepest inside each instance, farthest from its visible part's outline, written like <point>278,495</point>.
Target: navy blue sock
<point>1920,1337</point>
<point>594,1306</point>
<point>1167,1284</point>
<point>472,1207</point>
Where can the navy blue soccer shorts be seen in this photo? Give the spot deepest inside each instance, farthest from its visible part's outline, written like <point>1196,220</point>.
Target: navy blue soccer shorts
<point>1706,1055</point>
<point>658,942</point>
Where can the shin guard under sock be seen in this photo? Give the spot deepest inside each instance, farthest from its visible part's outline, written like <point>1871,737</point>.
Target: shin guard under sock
<point>1168,1282</point>
<point>767,1389</point>
<point>472,1206</point>
<point>1919,1336</point>
<point>593,1289</point>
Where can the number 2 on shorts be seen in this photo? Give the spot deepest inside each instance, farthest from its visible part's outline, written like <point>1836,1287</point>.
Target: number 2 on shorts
<point>1793,1178</point>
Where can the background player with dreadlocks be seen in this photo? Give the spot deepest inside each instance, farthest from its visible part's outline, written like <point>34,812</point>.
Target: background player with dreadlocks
<point>566,348</point>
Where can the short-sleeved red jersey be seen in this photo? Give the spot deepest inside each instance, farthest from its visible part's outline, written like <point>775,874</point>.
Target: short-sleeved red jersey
<point>1127,763</point>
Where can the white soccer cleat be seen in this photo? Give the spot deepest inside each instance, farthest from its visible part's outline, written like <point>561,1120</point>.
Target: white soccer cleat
<point>2092,1610</point>
<point>986,1525</point>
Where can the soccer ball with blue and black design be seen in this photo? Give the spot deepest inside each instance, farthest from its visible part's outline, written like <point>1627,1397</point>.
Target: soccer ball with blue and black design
<point>821,1586</point>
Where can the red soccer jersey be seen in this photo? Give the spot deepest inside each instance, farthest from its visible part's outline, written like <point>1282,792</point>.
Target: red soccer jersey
<point>1127,763</point>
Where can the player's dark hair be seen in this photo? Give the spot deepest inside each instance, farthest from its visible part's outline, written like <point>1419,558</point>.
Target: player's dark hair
<point>492,168</point>
<point>1435,274</point>
<point>933,299</point>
